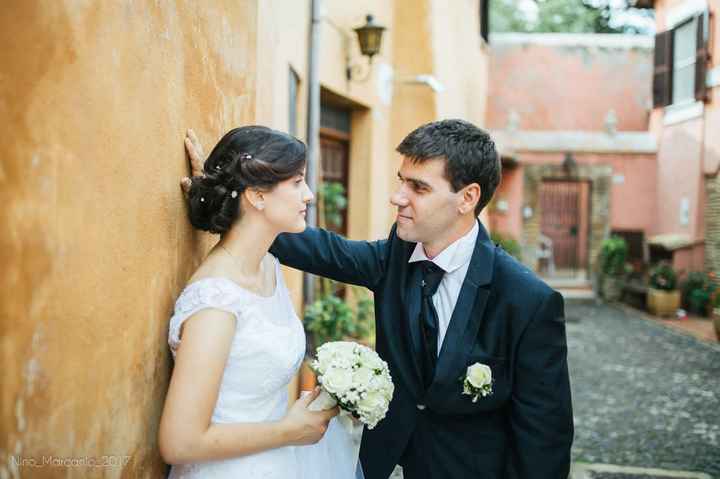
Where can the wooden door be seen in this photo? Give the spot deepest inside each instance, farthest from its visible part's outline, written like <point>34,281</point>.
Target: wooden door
<point>334,157</point>
<point>564,220</point>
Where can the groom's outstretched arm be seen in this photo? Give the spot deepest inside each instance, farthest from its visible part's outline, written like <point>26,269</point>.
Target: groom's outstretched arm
<point>541,409</point>
<point>315,250</point>
<point>327,254</point>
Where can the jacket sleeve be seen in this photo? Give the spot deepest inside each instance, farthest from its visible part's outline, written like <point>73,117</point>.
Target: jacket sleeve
<point>327,254</point>
<point>541,417</point>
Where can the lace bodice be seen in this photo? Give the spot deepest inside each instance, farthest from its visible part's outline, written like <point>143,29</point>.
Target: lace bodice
<point>266,352</point>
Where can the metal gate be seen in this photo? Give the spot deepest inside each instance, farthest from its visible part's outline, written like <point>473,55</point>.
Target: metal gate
<point>562,218</point>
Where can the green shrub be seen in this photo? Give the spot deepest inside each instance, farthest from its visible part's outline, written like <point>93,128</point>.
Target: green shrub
<point>697,290</point>
<point>663,276</point>
<point>330,318</point>
<point>507,242</point>
<point>613,255</point>
<point>334,202</point>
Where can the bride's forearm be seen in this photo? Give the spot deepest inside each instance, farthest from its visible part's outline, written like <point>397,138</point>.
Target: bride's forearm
<point>225,441</point>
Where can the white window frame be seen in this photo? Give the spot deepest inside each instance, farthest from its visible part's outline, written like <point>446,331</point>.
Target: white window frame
<point>679,112</point>
<point>686,62</point>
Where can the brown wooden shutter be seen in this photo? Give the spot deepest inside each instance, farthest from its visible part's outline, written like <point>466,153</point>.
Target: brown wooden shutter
<point>485,20</point>
<point>662,76</point>
<point>701,57</point>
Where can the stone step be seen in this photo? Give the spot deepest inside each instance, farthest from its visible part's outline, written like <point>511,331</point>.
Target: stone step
<point>568,283</point>
<point>578,296</point>
<point>610,471</point>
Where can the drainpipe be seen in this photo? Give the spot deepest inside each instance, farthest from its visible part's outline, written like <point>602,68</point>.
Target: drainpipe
<point>313,131</point>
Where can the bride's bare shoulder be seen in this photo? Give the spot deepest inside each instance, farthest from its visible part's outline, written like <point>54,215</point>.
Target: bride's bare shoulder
<point>211,267</point>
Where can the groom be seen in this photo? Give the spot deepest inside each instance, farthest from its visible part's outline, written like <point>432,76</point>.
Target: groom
<point>446,298</point>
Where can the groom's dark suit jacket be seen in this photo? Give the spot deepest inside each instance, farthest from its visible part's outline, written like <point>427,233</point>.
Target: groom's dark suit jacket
<point>505,317</point>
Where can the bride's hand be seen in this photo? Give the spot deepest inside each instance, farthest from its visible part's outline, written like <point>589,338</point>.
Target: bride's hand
<point>304,426</point>
<point>196,155</point>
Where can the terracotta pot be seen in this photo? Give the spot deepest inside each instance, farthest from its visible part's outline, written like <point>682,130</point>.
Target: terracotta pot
<point>663,303</point>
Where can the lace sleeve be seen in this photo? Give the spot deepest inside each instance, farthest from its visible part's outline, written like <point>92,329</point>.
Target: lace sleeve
<point>214,293</point>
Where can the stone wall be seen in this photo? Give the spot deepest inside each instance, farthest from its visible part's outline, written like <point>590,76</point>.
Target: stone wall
<point>599,177</point>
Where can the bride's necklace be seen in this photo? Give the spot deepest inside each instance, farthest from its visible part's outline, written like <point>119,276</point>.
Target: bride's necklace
<point>240,267</point>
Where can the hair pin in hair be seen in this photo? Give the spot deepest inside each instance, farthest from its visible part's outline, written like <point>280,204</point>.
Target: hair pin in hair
<point>202,199</point>
<point>247,156</point>
<point>233,194</point>
<point>217,167</point>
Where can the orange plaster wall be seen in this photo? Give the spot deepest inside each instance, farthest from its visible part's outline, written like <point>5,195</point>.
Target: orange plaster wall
<point>96,97</point>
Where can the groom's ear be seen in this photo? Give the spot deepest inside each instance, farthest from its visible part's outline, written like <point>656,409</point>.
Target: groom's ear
<point>470,197</point>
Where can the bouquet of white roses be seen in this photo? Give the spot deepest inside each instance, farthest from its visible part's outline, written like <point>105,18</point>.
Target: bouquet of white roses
<point>354,377</point>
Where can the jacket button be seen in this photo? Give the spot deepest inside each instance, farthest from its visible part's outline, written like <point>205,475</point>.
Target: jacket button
<point>420,407</point>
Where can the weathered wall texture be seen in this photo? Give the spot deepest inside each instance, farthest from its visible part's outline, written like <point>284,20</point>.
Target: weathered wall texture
<point>95,98</point>
<point>689,157</point>
<point>569,82</point>
<point>432,40</point>
<point>550,95</point>
<point>634,184</point>
<point>461,61</point>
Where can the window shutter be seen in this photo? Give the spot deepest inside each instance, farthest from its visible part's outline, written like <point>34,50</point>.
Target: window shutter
<point>485,20</point>
<point>701,57</point>
<point>662,76</point>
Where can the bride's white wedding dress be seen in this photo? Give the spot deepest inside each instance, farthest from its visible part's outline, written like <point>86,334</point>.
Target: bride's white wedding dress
<point>266,352</point>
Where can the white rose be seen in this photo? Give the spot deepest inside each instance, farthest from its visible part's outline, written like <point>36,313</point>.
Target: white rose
<point>337,380</point>
<point>324,357</point>
<point>371,359</point>
<point>373,401</point>
<point>343,348</point>
<point>362,377</point>
<point>479,375</point>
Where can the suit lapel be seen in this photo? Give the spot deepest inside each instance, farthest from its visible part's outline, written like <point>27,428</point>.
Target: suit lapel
<point>410,298</point>
<point>468,313</point>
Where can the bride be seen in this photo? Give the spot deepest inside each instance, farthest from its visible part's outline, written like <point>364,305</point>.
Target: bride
<point>234,335</point>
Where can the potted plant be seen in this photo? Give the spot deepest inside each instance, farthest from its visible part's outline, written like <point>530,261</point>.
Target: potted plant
<point>613,255</point>
<point>663,298</point>
<point>331,318</point>
<point>697,291</point>
<point>716,314</point>
<point>507,242</point>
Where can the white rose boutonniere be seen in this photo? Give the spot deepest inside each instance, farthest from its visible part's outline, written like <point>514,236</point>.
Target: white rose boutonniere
<point>478,381</point>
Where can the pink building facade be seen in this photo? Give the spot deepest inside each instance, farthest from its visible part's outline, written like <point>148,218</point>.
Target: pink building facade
<point>686,121</point>
<point>571,115</point>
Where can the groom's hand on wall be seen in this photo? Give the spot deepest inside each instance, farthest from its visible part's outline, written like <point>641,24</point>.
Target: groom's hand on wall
<point>196,155</point>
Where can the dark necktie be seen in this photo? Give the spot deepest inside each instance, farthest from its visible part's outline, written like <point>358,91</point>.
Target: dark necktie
<point>432,274</point>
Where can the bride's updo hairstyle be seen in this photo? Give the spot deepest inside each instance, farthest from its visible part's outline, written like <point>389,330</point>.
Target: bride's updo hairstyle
<point>246,157</point>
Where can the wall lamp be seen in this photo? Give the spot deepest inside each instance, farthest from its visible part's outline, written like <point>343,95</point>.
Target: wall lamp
<point>369,37</point>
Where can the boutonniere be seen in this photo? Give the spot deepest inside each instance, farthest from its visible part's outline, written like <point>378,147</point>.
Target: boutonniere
<point>478,381</point>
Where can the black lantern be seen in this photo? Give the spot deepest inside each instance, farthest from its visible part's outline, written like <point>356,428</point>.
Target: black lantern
<point>370,37</point>
<point>569,165</point>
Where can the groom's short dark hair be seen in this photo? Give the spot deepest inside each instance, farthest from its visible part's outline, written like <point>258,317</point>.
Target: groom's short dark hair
<point>469,153</point>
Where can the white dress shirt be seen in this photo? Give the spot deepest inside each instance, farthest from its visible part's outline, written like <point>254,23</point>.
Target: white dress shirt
<point>454,260</point>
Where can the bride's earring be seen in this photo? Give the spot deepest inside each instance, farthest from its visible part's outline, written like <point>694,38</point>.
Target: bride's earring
<point>261,206</point>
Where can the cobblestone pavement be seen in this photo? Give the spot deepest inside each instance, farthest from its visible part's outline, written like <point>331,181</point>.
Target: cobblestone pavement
<point>643,395</point>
